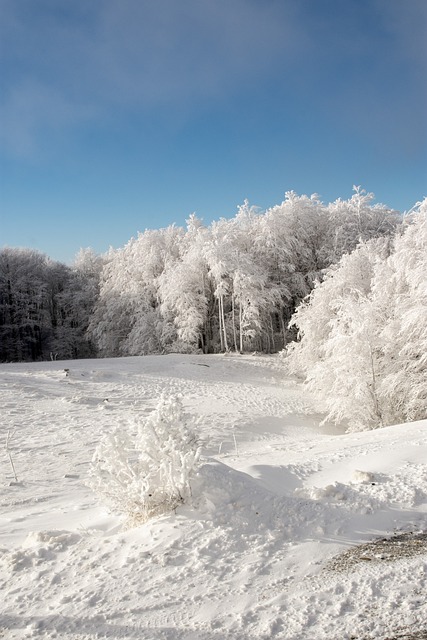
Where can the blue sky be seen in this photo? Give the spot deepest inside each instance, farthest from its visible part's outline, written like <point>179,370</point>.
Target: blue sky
<point>122,115</point>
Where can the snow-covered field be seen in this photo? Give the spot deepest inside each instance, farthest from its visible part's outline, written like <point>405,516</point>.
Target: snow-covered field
<point>276,499</point>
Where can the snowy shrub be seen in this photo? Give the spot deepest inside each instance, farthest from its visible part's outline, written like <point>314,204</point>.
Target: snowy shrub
<point>146,471</point>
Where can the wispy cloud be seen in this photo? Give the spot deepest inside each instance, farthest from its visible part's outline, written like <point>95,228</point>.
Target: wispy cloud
<point>64,63</point>
<point>74,62</point>
<point>188,49</point>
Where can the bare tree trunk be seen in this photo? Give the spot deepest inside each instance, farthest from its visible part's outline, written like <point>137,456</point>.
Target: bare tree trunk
<point>225,343</point>
<point>234,324</point>
<point>374,388</point>
<point>282,326</point>
<point>221,337</point>
<point>240,327</point>
<point>272,345</point>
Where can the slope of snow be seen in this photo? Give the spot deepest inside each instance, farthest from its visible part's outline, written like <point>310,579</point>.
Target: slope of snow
<point>275,500</point>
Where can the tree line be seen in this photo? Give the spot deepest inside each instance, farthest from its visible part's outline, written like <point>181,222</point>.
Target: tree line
<point>231,285</point>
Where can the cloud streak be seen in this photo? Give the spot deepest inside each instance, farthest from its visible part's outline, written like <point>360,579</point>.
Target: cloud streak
<point>73,63</point>
<point>64,68</point>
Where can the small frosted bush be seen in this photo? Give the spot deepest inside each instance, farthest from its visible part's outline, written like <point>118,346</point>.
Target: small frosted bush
<point>146,471</point>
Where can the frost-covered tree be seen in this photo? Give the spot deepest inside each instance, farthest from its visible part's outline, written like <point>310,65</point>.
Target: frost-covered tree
<point>153,253</point>
<point>111,320</point>
<point>399,290</point>
<point>338,349</point>
<point>218,257</point>
<point>254,293</point>
<point>357,220</point>
<point>185,292</point>
<point>363,336</point>
<point>127,318</point>
<point>291,240</point>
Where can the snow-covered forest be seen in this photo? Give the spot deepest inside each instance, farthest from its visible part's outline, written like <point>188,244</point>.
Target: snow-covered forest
<point>232,285</point>
<point>340,289</point>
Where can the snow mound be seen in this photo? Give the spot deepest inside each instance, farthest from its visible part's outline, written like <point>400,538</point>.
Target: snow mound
<point>239,504</point>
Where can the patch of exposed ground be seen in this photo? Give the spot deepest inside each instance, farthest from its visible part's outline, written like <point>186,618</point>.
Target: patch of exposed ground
<point>403,545</point>
<point>408,635</point>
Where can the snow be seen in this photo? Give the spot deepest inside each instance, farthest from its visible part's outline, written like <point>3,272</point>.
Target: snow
<point>275,500</point>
